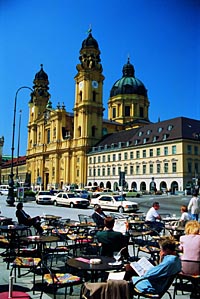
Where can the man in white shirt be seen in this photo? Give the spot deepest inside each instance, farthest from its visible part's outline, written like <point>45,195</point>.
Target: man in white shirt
<point>153,218</point>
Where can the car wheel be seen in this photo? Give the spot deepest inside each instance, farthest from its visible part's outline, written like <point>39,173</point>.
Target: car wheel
<point>121,210</point>
<point>71,205</point>
<point>138,195</point>
<point>37,202</point>
<point>55,203</point>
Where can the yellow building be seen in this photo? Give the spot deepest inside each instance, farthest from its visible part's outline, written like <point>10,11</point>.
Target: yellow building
<point>161,156</point>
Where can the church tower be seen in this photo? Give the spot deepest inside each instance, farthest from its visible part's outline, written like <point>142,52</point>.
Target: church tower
<point>37,105</point>
<point>88,109</point>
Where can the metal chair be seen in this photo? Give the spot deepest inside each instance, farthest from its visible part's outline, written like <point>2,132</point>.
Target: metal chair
<point>188,282</point>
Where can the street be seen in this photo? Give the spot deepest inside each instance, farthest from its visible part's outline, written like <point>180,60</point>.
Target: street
<point>168,204</point>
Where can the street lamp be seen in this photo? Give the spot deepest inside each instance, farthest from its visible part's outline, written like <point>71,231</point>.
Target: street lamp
<point>11,198</point>
<point>18,145</point>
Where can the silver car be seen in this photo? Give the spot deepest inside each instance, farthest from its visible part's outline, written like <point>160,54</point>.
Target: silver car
<point>71,200</point>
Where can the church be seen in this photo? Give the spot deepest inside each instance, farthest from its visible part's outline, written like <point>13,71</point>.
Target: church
<point>59,141</point>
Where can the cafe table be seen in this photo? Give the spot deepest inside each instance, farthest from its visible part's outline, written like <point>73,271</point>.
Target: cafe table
<point>50,219</point>
<point>5,220</point>
<point>40,242</point>
<point>84,264</point>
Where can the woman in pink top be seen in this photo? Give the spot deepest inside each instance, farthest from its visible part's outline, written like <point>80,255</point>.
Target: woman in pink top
<point>190,245</point>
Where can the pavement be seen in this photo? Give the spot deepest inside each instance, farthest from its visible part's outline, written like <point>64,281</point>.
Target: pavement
<point>25,284</point>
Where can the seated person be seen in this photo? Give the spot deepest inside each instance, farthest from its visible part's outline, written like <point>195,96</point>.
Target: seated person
<point>185,216</point>
<point>111,240</point>
<point>155,278</point>
<point>153,218</point>
<point>24,218</point>
<point>98,216</point>
<point>190,246</point>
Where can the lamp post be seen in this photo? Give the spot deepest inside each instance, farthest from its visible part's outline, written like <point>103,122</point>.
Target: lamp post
<point>11,198</point>
<point>18,145</point>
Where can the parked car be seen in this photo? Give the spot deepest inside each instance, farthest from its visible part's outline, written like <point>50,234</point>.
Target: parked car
<point>133,193</point>
<point>44,197</point>
<point>115,202</point>
<point>71,200</point>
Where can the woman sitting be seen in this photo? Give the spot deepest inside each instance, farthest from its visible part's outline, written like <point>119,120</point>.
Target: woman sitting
<point>190,246</point>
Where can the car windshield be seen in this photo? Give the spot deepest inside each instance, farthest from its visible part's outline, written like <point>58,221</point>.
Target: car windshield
<point>119,198</point>
<point>45,193</point>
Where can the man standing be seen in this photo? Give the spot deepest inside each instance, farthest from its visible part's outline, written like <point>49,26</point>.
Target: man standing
<point>194,205</point>
<point>153,218</point>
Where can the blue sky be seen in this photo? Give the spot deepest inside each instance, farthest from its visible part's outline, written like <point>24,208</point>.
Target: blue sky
<point>162,38</point>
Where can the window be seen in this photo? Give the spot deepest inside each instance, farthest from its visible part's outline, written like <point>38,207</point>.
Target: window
<point>99,159</point>
<point>158,168</point>
<point>174,169</point>
<point>137,154</point>
<point>108,171</point>
<point>190,167</point>
<point>196,150</point>
<point>114,157</point>
<point>90,172</point>
<point>144,169</point>
<point>144,153</point>
<point>140,133</point>
<point>90,160</point>
<point>113,171</point>
<point>77,173</point>
<point>137,169</point>
<point>173,149</point>
<point>150,168</point>
<point>165,167</point>
<point>196,167</point>
<point>151,152</point>
<point>158,151</point>
<point>114,112</point>
<point>99,172</point>
<point>108,158</point>
<point>131,170</point>
<point>170,127</point>
<point>79,131</point>
<point>119,157</point>
<point>119,170</point>
<point>93,131</point>
<point>94,160</point>
<point>189,149</point>
<point>48,136</point>
<point>160,130</point>
<point>103,172</point>
<point>141,112</point>
<point>94,96</point>
<point>104,158</point>
<point>127,111</point>
<point>148,132</point>
<point>53,171</point>
<point>125,156</point>
<point>165,150</point>
<point>131,155</point>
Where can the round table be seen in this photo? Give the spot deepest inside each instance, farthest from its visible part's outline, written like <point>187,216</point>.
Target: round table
<point>83,264</point>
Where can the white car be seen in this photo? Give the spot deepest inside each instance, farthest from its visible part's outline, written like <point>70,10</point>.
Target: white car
<point>71,200</point>
<point>115,202</point>
<point>44,197</point>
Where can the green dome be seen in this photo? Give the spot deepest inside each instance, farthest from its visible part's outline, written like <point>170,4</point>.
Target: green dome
<point>128,84</point>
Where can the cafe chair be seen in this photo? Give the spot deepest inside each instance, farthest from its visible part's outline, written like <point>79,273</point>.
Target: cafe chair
<point>138,294</point>
<point>188,282</point>
<point>55,276</point>
<point>30,264</point>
